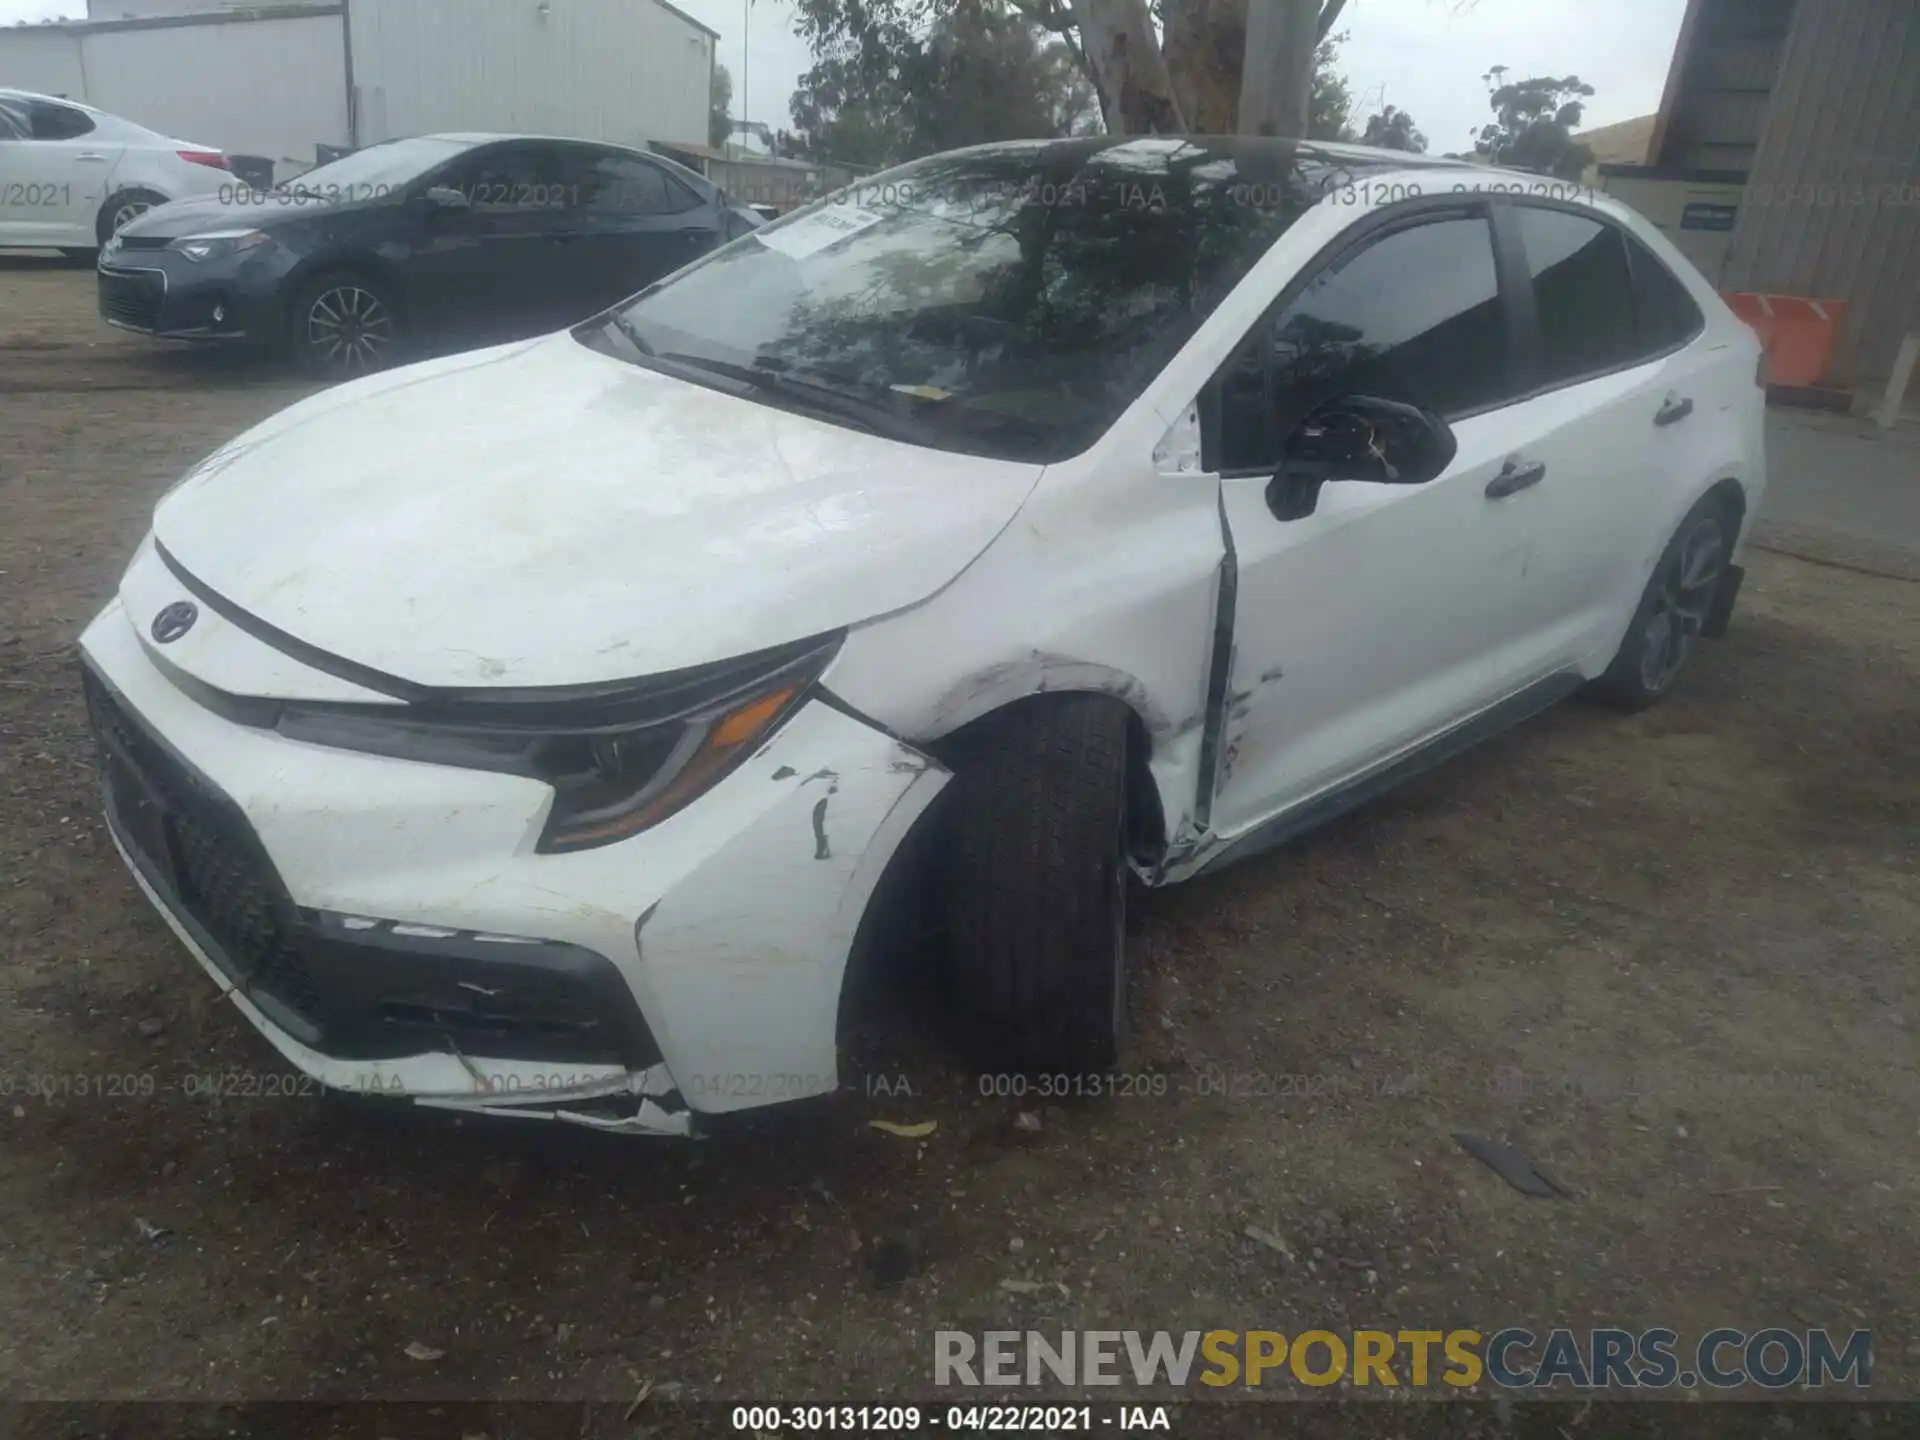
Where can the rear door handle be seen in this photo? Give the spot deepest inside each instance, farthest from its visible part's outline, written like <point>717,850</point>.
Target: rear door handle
<point>1515,476</point>
<point>1674,411</point>
<point>89,155</point>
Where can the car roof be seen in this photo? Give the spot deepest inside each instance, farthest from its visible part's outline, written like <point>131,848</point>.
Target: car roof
<point>12,94</point>
<point>473,139</point>
<point>1358,161</point>
<point>490,137</point>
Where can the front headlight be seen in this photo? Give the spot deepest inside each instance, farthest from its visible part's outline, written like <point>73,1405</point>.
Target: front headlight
<point>620,759</point>
<point>217,244</point>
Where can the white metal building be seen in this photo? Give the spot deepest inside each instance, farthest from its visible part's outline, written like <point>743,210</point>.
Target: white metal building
<point>279,80</point>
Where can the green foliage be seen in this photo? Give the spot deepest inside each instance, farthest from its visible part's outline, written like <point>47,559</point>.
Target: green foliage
<point>1393,129</point>
<point>891,82</point>
<point>1533,124</point>
<point>1330,106</point>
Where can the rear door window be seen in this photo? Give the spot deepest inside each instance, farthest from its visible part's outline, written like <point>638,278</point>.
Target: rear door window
<point>58,122</point>
<point>1582,293</point>
<point>1664,313</point>
<point>624,185</point>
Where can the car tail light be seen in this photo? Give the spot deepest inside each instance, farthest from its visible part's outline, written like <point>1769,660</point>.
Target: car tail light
<point>210,158</point>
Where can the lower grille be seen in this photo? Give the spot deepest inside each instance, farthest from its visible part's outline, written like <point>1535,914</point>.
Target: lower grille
<point>209,858</point>
<point>349,987</point>
<point>132,300</point>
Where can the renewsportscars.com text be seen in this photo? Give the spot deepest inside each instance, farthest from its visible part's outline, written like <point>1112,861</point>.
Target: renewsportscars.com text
<point>1512,1358</point>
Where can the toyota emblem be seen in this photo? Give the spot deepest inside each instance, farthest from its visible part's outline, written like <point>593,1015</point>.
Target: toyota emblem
<point>174,621</point>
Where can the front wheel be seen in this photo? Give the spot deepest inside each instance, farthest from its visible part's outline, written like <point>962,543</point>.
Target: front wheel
<point>1036,882</point>
<point>343,325</point>
<point>1674,610</point>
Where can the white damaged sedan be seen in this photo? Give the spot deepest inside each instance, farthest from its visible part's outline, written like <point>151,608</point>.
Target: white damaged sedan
<point>539,731</point>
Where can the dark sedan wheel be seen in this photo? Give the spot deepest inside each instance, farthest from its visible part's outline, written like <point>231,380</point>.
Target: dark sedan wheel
<point>343,326</point>
<point>1673,611</point>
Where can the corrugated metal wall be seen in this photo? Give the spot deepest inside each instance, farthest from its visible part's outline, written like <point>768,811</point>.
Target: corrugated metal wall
<point>271,83</point>
<point>276,88</point>
<point>1832,208</point>
<point>1727,60</point>
<point>625,71</point>
<point>43,60</point>
<point>137,9</point>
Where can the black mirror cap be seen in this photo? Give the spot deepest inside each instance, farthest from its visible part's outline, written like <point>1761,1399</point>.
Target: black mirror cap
<point>1360,437</point>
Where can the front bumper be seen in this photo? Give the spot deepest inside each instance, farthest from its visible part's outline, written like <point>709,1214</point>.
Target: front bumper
<point>163,294</point>
<point>389,926</point>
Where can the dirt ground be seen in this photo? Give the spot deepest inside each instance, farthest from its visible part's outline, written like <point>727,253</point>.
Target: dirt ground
<point>1672,957</point>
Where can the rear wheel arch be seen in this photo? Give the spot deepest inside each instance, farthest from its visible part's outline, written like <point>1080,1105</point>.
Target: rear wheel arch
<point>1732,496</point>
<point>109,217</point>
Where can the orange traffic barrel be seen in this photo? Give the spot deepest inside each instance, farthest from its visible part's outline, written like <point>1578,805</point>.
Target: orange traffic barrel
<point>1798,334</point>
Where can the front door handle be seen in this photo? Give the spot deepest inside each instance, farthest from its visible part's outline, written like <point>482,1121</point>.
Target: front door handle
<point>91,156</point>
<point>1515,476</point>
<point>1674,411</point>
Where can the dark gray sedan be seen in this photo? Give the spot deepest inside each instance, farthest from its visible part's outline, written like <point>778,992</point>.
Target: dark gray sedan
<point>427,244</point>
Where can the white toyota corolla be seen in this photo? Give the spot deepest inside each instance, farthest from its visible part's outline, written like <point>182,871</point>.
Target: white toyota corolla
<point>533,730</point>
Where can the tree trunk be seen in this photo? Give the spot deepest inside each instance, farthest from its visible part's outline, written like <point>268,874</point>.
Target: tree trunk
<point>1277,79</point>
<point>1128,69</point>
<point>1205,40</point>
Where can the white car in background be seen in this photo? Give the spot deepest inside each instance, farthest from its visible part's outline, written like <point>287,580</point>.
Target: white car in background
<point>544,729</point>
<point>71,175</point>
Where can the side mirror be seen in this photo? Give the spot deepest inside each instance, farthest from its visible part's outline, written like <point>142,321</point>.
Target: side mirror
<point>445,197</point>
<point>1359,437</point>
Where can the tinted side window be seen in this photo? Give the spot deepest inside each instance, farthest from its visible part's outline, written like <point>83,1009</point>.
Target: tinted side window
<point>1414,316</point>
<point>621,185</point>
<point>1582,291</point>
<point>58,122</point>
<point>511,179</point>
<point>14,124</point>
<point>1663,312</point>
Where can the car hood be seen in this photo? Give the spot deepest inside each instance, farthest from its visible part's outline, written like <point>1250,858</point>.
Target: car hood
<point>542,514</point>
<point>234,207</point>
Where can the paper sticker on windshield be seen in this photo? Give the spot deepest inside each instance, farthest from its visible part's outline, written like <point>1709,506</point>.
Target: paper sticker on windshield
<point>810,233</point>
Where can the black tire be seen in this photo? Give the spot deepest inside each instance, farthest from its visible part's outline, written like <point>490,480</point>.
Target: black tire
<point>1035,880</point>
<point>122,206</point>
<point>1674,609</point>
<point>343,324</point>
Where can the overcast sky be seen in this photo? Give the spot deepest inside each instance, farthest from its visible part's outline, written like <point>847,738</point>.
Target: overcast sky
<point>1426,56</point>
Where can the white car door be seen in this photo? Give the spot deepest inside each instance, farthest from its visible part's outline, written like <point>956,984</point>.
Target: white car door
<point>1612,395</point>
<point>56,178</point>
<point>1390,613</point>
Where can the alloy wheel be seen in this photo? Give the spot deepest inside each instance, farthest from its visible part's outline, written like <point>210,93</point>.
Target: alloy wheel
<point>1682,601</point>
<point>349,330</point>
<point>126,212</point>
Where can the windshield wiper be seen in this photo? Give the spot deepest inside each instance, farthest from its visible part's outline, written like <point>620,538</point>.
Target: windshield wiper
<point>864,414</point>
<point>630,330</point>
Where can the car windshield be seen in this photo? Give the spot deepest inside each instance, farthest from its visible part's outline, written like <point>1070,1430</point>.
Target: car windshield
<point>379,168</point>
<point>1008,302</point>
